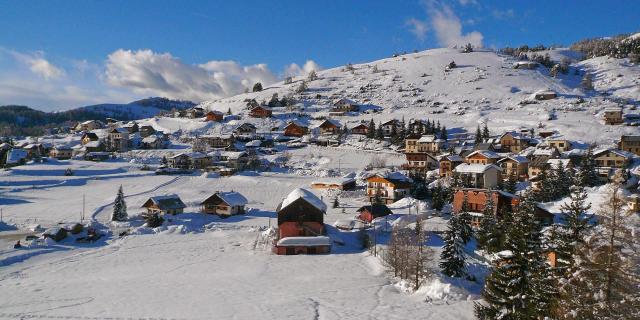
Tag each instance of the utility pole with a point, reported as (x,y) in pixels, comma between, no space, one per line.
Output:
(83,206)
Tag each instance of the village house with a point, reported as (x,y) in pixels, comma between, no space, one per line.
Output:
(195,112)
(545,95)
(613,115)
(301,227)
(561,144)
(608,161)
(89,125)
(630,144)
(344,105)
(448,163)
(334,184)
(429,144)
(411,143)
(482,157)
(222,141)
(513,142)
(479,175)
(170,204)
(132,127)
(61,152)
(146,130)
(391,125)
(536,165)
(361,129)
(513,165)
(260,112)
(118,139)
(245,129)
(329,127)
(237,160)
(88,137)
(216,116)
(34,150)
(420,162)
(369,213)
(295,129)
(189,160)
(389,187)
(155,141)
(502,202)
(224,204)
(16,157)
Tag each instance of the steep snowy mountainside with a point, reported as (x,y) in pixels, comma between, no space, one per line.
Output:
(483,87)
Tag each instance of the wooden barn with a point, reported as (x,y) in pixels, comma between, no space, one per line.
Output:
(370,212)
(224,204)
(260,112)
(171,204)
(301,224)
(295,129)
(216,116)
(361,129)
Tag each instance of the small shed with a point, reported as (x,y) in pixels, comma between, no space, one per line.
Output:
(169,204)
(224,204)
(370,212)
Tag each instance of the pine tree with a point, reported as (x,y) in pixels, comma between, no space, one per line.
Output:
(465,221)
(312,76)
(562,181)
(437,198)
(576,224)
(372,130)
(587,175)
(257,87)
(379,132)
(511,184)
(119,207)
(488,235)
(478,136)
(452,258)
(229,112)
(443,133)
(336,203)
(485,131)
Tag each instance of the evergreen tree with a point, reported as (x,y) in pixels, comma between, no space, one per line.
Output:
(488,235)
(576,224)
(437,198)
(511,184)
(119,207)
(443,133)
(312,76)
(164,161)
(562,181)
(257,87)
(336,203)
(452,258)
(485,131)
(546,189)
(229,112)
(372,130)
(465,221)
(379,132)
(587,175)
(478,136)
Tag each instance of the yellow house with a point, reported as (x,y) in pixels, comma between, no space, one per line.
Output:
(630,144)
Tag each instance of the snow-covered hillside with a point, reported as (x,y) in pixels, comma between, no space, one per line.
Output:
(140,109)
(483,87)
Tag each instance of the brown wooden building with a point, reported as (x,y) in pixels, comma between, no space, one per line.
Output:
(294,129)
(216,116)
(171,204)
(301,217)
(370,212)
(224,204)
(260,112)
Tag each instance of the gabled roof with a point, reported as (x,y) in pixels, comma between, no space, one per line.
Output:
(192,155)
(305,195)
(475,168)
(486,153)
(390,122)
(344,101)
(428,138)
(554,163)
(90,135)
(624,154)
(515,158)
(169,202)
(452,158)
(295,123)
(376,209)
(15,155)
(330,122)
(233,199)
(119,130)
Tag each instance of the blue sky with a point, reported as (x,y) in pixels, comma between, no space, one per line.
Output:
(61,54)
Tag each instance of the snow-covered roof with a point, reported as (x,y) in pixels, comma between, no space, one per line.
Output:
(93,144)
(233,199)
(253,144)
(554,163)
(428,138)
(475,168)
(15,155)
(306,195)
(619,152)
(344,101)
(516,158)
(487,153)
(612,109)
(192,155)
(233,155)
(304,241)
(337,181)
(167,202)
(150,139)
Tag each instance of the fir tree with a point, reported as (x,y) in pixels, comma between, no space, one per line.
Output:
(511,184)
(229,112)
(465,221)
(119,207)
(372,130)
(257,87)
(488,235)
(485,131)
(336,203)
(379,132)
(587,175)
(443,133)
(452,258)
(478,136)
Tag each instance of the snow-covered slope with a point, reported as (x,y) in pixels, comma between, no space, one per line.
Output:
(483,87)
(139,109)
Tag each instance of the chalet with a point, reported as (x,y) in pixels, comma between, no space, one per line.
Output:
(301,224)
(245,129)
(608,161)
(171,204)
(216,116)
(222,141)
(430,144)
(34,150)
(61,152)
(482,157)
(448,163)
(513,142)
(343,106)
(389,187)
(237,160)
(334,184)
(502,202)
(252,146)
(224,204)
(361,129)
(613,115)
(420,162)
(479,175)
(517,166)
(630,144)
(88,137)
(329,127)
(295,129)
(155,141)
(118,139)
(391,125)
(260,112)
(132,127)
(146,130)
(536,165)
(89,125)
(555,163)
(16,157)
(369,213)
(561,144)
(411,143)
(190,160)
(195,112)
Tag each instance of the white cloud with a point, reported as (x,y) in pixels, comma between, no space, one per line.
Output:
(466,2)
(294,70)
(149,73)
(38,65)
(419,28)
(448,28)
(503,14)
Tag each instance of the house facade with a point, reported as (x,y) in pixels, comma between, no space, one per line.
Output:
(475,175)
(294,129)
(301,227)
(260,112)
(630,144)
(389,188)
(171,204)
(224,204)
(448,163)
